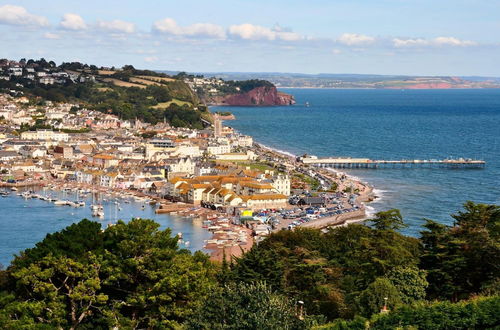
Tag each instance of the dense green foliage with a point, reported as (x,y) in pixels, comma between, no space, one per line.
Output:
(350,270)
(246,306)
(463,259)
(244,86)
(133,275)
(481,313)
(248,85)
(125,102)
(327,271)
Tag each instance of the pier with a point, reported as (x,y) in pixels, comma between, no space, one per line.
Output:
(403,163)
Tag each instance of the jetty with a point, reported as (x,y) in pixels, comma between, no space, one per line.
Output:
(403,163)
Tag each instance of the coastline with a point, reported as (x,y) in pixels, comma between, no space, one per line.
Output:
(366,194)
(231,240)
(227,238)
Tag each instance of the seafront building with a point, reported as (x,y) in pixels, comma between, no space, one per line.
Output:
(99,150)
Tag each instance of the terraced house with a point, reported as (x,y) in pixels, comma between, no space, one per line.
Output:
(255,191)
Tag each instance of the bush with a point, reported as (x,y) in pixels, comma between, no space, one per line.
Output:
(481,313)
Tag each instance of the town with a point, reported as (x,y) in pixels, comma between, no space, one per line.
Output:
(236,185)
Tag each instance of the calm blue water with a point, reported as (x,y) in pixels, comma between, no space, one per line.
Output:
(394,124)
(23,223)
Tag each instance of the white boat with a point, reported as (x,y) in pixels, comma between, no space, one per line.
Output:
(60,202)
(13,189)
(97,211)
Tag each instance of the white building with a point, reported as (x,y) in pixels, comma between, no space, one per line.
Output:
(218,149)
(46,135)
(6,114)
(47,80)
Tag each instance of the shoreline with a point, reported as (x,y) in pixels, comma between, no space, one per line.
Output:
(365,196)
(231,240)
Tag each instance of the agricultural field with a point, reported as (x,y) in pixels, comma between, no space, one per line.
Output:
(164,105)
(157,79)
(144,81)
(122,83)
(106,72)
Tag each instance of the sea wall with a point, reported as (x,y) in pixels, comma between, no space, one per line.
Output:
(335,220)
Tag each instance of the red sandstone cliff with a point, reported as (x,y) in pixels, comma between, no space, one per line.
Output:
(259,96)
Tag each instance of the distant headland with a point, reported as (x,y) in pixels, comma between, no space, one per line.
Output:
(362,81)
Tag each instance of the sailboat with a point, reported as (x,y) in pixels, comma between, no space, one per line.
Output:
(100,212)
(97,209)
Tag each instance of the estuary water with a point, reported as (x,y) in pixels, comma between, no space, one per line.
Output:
(24,222)
(393,125)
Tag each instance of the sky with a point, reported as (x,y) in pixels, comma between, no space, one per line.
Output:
(408,37)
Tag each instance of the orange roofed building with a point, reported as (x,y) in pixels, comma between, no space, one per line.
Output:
(226,190)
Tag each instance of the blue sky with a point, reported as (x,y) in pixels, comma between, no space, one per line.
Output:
(417,37)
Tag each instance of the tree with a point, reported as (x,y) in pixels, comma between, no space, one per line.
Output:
(131,275)
(372,299)
(410,282)
(388,220)
(149,281)
(72,242)
(56,291)
(463,260)
(479,313)
(326,271)
(246,306)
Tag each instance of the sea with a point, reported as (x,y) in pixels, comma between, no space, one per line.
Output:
(24,222)
(393,125)
(377,124)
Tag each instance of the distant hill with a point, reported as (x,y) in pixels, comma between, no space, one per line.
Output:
(328,80)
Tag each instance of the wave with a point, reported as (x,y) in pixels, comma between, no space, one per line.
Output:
(369,211)
(283,152)
(379,193)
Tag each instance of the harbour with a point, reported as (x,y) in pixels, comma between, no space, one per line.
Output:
(26,221)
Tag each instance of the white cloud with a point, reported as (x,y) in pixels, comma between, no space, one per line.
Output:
(116,26)
(49,35)
(169,26)
(16,15)
(151,59)
(353,39)
(409,42)
(73,22)
(451,41)
(255,32)
(439,41)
